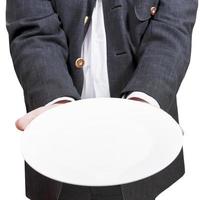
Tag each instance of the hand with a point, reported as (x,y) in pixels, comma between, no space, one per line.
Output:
(137,99)
(22,122)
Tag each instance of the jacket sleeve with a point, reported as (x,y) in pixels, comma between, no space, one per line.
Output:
(39,50)
(163,54)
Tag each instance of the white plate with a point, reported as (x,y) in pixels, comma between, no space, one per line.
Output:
(101,141)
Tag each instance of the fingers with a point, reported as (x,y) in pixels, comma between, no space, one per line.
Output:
(23,122)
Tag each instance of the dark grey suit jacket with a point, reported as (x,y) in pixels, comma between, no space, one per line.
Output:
(144,53)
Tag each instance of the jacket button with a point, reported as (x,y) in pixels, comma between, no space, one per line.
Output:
(153,10)
(79,63)
(86,19)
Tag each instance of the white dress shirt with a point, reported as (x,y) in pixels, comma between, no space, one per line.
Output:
(94,52)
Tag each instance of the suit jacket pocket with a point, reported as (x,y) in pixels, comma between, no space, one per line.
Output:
(144,9)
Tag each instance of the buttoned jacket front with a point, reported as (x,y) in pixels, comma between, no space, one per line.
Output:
(148,50)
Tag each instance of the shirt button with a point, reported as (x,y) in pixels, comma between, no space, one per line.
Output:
(86,19)
(79,63)
(153,10)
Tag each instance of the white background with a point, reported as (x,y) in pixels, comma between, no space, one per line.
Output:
(12,185)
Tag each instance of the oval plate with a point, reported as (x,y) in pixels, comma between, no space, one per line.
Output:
(101,141)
